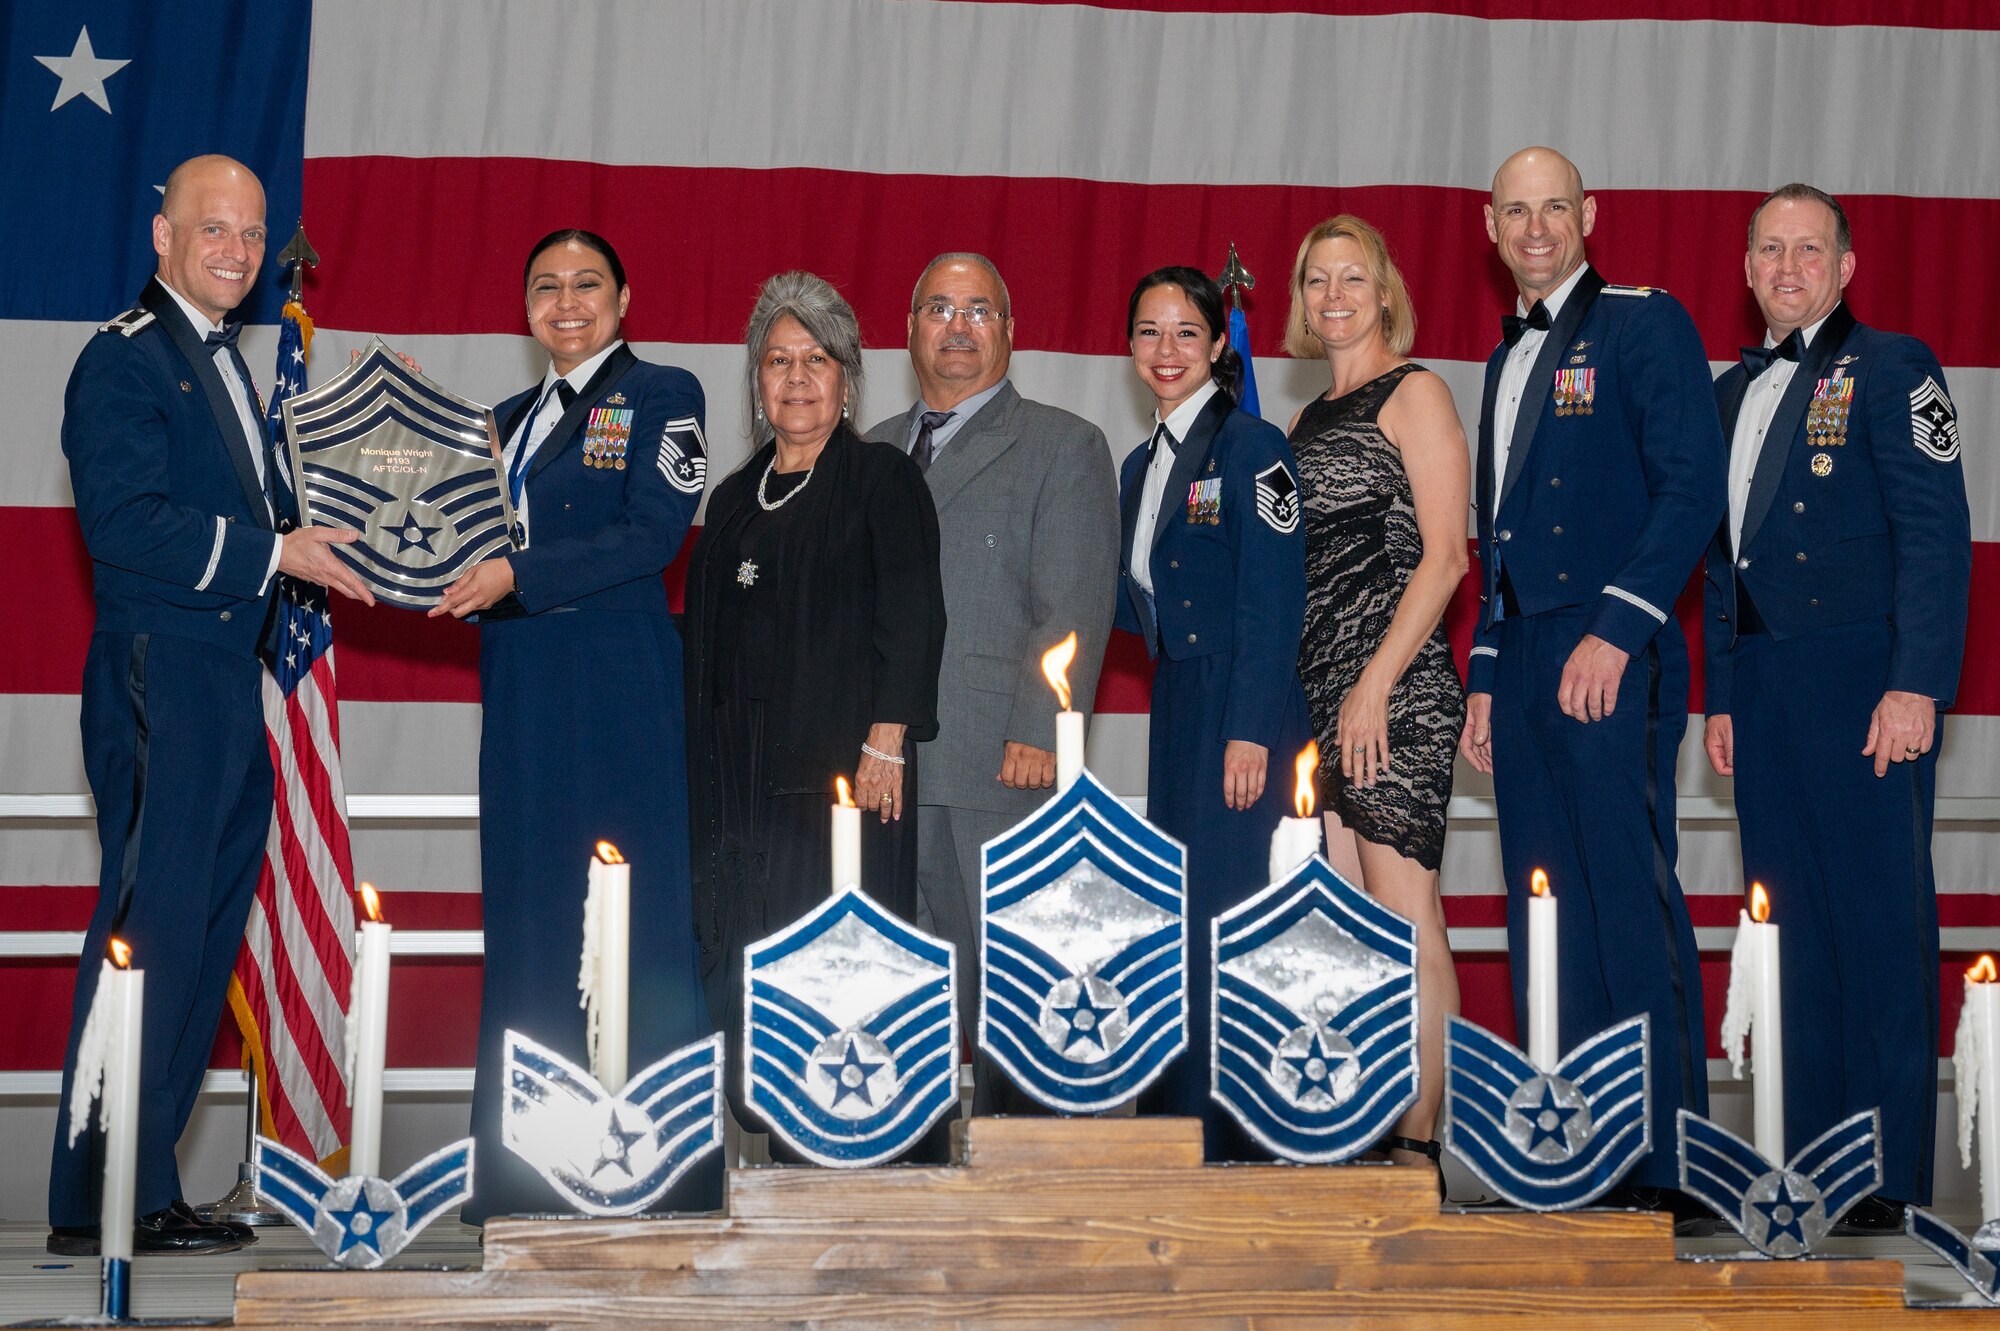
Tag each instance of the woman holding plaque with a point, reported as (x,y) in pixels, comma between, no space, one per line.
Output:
(1213,578)
(815,618)
(580,672)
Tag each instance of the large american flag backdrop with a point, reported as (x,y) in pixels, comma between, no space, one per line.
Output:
(428,142)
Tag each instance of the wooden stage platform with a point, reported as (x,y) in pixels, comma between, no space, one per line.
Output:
(1100,1223)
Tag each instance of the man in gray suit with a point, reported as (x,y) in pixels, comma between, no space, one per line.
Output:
(1027,505)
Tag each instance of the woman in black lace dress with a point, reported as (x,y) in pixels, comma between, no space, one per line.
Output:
(1384,474)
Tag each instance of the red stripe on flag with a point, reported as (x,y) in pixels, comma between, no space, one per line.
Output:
(1070,248)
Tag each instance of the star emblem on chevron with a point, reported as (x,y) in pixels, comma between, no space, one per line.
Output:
(412,534)
(1083,991)
(615,1151)
(1314,1044)
(361,1224)
(850,1032)
(1546,1119)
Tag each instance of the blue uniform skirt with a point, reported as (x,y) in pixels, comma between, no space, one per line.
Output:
(1228,855)
(583,740)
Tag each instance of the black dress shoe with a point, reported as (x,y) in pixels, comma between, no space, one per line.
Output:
(164,1230)
(1872,1217)
(245,1235)
(1692,1219)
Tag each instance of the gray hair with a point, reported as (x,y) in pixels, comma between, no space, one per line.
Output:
(825,315)
(963,256)
(1843,238)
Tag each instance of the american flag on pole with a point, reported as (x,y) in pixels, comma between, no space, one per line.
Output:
(294,970)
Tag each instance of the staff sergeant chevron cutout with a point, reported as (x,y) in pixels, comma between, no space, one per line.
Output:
(361,1221)
(1554,1141)
(1083,951)
(1782,1209)
(1313,1016)
(612,1154)
(850,1032)
(415,469)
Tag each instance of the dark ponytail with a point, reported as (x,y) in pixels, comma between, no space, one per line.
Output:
(1206,297)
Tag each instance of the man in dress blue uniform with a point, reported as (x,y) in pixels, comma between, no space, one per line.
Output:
(182,501)
(1836,601)
(1027,504)
(1600,477)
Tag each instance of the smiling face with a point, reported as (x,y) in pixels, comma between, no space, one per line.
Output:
(958,359)
(799,385)
(1539,217)
(1173,347)
(574,311)
(1343,301)
(1794,266)
(210,234)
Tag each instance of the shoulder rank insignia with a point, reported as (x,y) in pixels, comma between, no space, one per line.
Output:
(1278,499)
(128,323)
(1628,291)
(683,458)
(1933,422)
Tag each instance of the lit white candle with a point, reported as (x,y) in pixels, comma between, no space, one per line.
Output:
(1544,1005)
(368,1037)
(846,837)
(605,976)
(1978,1079)
(1754,1011)
(1296,840)
(1069,724)
(127,999)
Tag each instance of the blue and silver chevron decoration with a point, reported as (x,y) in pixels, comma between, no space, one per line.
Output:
(1784,1210)
(1976,1258)
(612,1154)
(850,1032)
(1083,951)
(361,1221)
(1548,1141)
(1314,1020)
(415,469)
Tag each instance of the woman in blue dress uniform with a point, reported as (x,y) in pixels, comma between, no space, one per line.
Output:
(580,673)
(1213,578)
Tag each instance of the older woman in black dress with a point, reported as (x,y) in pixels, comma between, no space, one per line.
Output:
(815,622)
(1384,474)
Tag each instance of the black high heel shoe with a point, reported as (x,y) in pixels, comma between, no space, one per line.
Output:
(1430,1149)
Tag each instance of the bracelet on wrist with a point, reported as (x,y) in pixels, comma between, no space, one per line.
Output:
(874,752)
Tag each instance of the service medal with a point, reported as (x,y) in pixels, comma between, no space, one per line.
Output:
(1822,464)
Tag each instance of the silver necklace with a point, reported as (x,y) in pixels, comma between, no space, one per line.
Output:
(765,480)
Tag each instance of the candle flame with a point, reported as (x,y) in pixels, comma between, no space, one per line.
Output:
(845,791)
(121,954)
(1055,668)
(608,853)
(1303,768)
(1538,883)
(371,901)
(1984,971)
(1760,903)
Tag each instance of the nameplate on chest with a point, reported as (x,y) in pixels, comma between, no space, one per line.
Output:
(606,436)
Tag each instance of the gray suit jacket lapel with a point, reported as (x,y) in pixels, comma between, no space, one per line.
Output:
(977,444)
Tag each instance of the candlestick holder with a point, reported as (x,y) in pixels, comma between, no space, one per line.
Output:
(1784,1210)
(1313,1016)
(1975,1257)
(612,1153)
(850,1032)
(1548,1141)
(1083,951)
(361,1221)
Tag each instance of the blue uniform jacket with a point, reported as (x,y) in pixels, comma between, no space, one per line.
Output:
(1614,483)
(1864,521)
(599,533)
(1228,564)
(166,489)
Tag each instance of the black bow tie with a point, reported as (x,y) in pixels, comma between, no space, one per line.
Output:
(1513,325)
(225,338)
(1756,360)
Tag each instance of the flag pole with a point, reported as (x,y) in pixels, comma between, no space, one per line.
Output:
(241,1205)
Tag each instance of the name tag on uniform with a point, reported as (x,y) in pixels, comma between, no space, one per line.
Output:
(1205,502)
(606,435)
